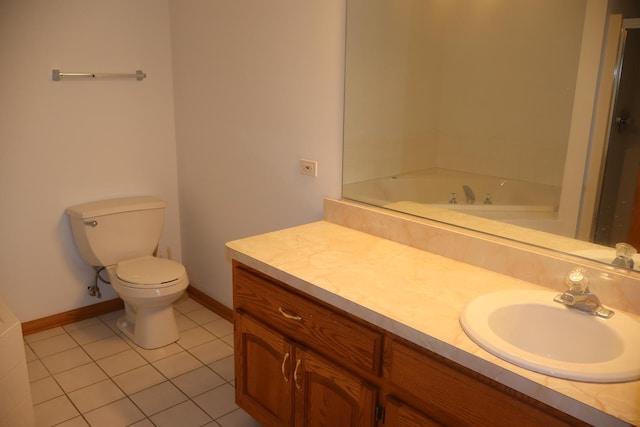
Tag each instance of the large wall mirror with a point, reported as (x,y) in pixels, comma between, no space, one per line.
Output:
(510,117)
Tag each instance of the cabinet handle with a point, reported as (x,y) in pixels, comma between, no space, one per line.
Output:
(289,316)
(284,364)
(295,373)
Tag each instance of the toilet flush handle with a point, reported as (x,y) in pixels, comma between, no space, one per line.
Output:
(91,223)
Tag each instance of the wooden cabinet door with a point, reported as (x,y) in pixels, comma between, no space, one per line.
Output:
(263,372)
(327,395)
(399,414)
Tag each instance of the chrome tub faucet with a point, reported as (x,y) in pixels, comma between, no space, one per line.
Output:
(579,297)
(468,193)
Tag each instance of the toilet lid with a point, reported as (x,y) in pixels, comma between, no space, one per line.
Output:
(149,270)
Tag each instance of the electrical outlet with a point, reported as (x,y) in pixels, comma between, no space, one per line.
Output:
(309,167)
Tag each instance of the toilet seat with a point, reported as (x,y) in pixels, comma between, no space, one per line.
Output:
(149,272)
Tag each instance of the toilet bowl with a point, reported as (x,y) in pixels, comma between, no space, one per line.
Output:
(121,235)
(149,286)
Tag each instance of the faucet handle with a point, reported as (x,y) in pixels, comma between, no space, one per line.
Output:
(577,280)
(624,255)
(625,249)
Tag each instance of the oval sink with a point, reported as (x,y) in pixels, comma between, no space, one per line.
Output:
(529,329)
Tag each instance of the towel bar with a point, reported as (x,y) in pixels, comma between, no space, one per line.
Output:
(58,75)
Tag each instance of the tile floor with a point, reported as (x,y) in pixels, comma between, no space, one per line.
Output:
(88,374)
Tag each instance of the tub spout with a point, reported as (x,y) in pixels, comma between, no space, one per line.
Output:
(468,193)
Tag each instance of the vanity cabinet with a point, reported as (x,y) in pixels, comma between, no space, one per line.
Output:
(455,395)
(302,362)
(296,362)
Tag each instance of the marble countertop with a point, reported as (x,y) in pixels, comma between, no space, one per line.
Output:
(419,296)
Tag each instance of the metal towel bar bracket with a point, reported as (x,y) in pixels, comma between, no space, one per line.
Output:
(58,75)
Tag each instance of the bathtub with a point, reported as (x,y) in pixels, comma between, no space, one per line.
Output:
(510,199)
(16,408)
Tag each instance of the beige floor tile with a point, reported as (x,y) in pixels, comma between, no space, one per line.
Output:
(54,411)
(74,422)
(143,423)
(106,347)
(224,368)
(220,328)
(92,333)
(96,395)
(117,414)
(228,339)
(112,316)
(186,305)
(202,316)
(37,370)
(184,323)
(217,402)
(52,345)
(186,414)
(79,377)
(157,398)
(111,320)
(67,359)
(45,389)
(197,391)
(211,351)
(194,337)
(237,418)
(121,362)
(81,324)
(39,336)
(139,379)
(159,353)
(198,381)
(177,364)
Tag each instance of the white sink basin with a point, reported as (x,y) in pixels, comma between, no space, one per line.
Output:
(529,329)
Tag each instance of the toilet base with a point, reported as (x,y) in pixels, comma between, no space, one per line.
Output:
(149,327)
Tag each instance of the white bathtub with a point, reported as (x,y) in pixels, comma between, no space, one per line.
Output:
(434,187)
(16,408)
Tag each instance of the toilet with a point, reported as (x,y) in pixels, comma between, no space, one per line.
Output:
(121,235)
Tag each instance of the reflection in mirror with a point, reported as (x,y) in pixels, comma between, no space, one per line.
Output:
(618,215)
(479,114)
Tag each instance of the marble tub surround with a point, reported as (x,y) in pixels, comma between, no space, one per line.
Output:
(614,286)
(419,296)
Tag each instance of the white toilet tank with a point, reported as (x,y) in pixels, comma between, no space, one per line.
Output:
(109,231)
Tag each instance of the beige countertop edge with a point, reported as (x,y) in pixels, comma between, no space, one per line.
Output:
(596,404)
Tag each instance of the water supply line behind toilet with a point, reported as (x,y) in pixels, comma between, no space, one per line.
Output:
(94,290)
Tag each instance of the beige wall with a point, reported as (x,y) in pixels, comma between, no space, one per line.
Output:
(68,142)
(258,85)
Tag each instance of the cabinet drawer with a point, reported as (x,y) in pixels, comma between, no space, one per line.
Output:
(453,394)
(325,331)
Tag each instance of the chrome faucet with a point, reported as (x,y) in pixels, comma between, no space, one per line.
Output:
(579,297)
(468,193)
(624,255)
